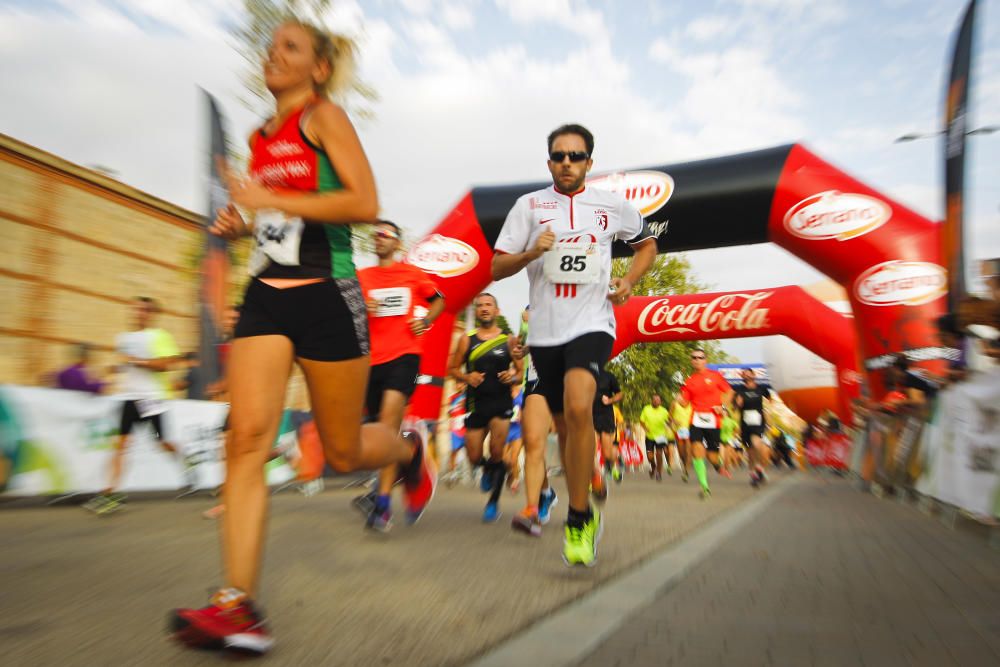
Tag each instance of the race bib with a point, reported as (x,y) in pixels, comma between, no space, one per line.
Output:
(704,420)
(392,301)
(278,239)
(576,263)
(752,417)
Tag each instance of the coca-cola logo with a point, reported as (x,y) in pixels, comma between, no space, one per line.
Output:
(836,215)
(901,283)
(443,256)
(727,312)
(648,191)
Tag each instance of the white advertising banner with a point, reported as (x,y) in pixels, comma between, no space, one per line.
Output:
(961,446)
(54,441)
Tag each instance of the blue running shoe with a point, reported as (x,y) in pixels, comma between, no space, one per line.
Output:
(547,501)
(486,480)
(491,514)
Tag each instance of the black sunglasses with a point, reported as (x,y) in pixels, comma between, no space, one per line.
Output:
(574,156)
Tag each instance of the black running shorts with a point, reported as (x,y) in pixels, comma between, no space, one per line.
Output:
(130,417)
(589,352)
(749,431)
(326,321)
(531,387)
(711,437)
(605,423)
(400,375)
(653,444)
(485,409)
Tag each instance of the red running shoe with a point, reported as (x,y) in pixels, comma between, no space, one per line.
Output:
(230,623)
(419,478)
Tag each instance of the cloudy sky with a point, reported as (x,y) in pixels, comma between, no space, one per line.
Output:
(469,89)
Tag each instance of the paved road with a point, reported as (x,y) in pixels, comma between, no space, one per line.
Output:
(828,576)
(78,590)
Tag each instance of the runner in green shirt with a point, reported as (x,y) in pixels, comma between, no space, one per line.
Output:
(654,419)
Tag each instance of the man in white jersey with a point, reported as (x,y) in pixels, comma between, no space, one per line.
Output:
(563,235)
(148,353)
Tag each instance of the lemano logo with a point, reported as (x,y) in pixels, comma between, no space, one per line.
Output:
(648,191)
(901,283)
(836,215)
(443,256)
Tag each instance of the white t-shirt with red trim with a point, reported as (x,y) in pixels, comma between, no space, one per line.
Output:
(563,311)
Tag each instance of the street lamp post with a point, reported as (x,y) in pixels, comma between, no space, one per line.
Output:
(914,136)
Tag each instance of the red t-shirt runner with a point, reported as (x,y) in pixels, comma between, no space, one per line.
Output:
(398,289)
(705,391)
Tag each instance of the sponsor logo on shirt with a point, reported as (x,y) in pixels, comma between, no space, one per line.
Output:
(281,172)
(284,149)
(443,256)
(648,191)
(901,283)
(533,203)
(836,215)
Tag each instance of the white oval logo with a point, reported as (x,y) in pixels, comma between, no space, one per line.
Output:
(443,256)
(836,215)
(901,283)
(648,191)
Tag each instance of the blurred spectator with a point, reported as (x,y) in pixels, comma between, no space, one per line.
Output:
(76,376)
(915,387)
(951,337)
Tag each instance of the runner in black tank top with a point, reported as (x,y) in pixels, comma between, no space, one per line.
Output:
(750,400)
(483,361)
(490,357)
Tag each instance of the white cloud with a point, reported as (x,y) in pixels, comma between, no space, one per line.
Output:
(706,28)
(574,16)
(922,198)
(457,17)
(418,7)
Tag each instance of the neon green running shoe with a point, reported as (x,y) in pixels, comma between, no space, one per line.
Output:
(580,544)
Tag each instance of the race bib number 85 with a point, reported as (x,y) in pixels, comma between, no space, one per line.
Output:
(573,263)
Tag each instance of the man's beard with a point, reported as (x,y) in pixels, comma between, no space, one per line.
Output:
(485,324)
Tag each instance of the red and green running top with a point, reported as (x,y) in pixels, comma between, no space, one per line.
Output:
(290,247)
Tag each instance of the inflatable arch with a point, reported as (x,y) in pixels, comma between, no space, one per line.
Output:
(885,255)
(788,311)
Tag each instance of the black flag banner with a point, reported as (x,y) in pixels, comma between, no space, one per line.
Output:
(955,129)
(214,266)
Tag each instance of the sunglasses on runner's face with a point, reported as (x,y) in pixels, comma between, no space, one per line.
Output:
(385,234)
(574,156)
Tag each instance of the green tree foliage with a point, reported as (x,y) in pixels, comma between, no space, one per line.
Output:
(645,369)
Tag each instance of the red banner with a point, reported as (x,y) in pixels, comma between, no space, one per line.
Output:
(788,311)
(457,257)
(885,255)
